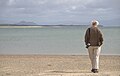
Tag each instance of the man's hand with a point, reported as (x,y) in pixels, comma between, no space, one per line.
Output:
(87,45)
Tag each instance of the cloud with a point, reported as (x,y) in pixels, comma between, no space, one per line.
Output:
(59,11)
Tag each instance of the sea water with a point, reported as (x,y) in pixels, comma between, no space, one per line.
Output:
(55,41)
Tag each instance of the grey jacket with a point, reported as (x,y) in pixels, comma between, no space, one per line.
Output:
(93,36)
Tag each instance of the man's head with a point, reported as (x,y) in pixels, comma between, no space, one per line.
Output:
(95,23)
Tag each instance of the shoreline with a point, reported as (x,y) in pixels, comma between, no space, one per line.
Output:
(55,55)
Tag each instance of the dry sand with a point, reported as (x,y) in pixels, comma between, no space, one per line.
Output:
(53,65)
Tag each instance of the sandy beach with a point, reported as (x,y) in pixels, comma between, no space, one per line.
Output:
(57,65)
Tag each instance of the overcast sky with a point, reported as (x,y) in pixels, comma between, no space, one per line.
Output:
(107,12)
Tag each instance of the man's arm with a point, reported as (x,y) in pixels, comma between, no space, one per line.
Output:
(101,38)
(87,36)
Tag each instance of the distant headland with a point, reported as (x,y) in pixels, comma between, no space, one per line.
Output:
(25,23)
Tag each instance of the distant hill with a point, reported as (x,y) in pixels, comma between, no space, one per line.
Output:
(25,23)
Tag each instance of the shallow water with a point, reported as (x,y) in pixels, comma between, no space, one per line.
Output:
(67,41)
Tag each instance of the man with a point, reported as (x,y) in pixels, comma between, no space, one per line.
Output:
(93,41)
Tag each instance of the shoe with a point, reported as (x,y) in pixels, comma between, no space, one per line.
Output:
(94,70)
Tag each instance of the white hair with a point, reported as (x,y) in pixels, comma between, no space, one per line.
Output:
(94,22)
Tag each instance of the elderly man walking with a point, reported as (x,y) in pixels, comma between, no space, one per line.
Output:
(93,41)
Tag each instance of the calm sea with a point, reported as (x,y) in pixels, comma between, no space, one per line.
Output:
(55,40)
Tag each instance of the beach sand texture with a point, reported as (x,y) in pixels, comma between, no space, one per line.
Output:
(57,65)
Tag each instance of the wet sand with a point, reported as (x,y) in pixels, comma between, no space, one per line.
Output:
(57,65)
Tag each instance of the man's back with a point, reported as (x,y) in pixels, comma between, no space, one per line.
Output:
(93,36)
